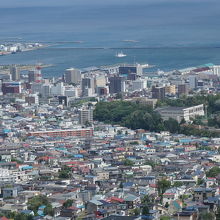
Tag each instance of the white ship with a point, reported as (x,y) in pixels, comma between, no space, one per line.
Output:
(121,54)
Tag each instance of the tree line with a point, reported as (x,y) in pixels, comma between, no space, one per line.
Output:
(135,115)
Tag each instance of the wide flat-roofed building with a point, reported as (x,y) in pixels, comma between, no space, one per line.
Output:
(84,132)
(180,113)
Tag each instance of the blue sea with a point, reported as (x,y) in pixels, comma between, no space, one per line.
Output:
(170,34)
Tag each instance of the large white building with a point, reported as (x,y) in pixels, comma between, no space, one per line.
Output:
(192,81)
(139,84)
(72,75)
(216,70)
(6,176)
(180,113)
(58,89)
(85,115)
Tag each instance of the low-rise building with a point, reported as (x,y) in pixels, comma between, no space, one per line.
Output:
(180,113)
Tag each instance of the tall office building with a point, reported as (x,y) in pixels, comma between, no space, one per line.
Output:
(88,86)
(171,89)
(85,116)
(193,81)
(116,84)
(58,89)
(72,75)
(182,89)
(129,69)
(100,81)
(139,85)
(15,73)
(158,92)
(46,90)
(216,70)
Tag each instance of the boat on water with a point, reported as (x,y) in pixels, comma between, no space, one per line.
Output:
(120,54)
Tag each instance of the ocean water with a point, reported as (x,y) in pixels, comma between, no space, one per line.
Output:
(170,34)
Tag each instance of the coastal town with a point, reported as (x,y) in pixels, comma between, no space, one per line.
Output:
(110,142)
(12,47)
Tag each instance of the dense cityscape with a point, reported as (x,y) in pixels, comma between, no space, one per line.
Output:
(109,110)
(110,142)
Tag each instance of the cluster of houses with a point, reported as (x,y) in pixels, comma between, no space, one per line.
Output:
(102,171)
(51,148)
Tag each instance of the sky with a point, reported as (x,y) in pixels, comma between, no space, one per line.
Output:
(30,3)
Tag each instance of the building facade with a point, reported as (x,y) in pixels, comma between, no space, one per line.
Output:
(72,75)
(158,92)
(179,113)
(87,132)
(85,116)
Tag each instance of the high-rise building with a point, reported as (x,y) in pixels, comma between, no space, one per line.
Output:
(71,91)
(100,81)
(36,87)
(63,100)
(193,81)
(15,73)
(102,91)
(88,86)
(116,84)
(139,84)
(129,69)
(85,116)
(216,70)
(72,75)
(46,90)
(171,89)
(35,75)
(182,89)
(32,99)
(158,92)
(58,89)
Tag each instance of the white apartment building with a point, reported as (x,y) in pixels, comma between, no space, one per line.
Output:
(180,113)
(139,84)
(216,70)
(85,115)
(6,176)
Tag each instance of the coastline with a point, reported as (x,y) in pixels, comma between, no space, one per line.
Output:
(5,53)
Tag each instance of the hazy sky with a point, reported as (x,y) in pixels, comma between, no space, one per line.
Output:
(21,3)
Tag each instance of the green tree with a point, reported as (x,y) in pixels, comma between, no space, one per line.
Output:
(165,218)
(207,216)
(213,172)
(171,125)
(178,184)
(145,210)
(200,181)
(134,143)
(145,200)
(65,172)
(119,96)
(16,160)
(68,203)
(37,201)
(136,212)
(48,210)
(22,216)
(163,185)
(150,162)
(128,162)
(88,124)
